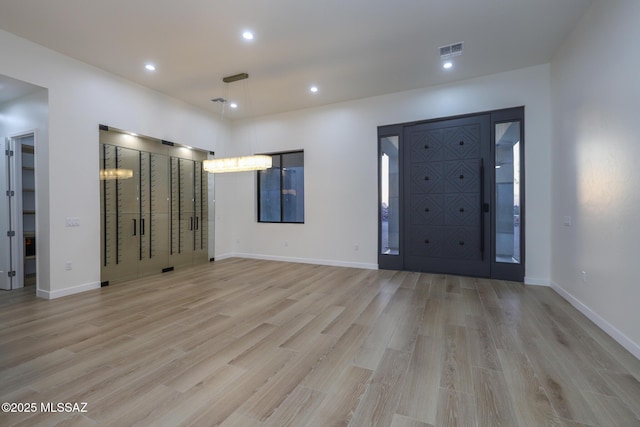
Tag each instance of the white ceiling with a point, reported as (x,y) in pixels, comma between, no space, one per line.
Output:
(351,49)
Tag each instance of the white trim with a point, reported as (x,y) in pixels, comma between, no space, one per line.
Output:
(67,291)
(333,263)
(614,333)
(533,281)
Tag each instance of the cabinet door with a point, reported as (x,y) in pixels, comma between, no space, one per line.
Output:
(201,249)
(182,212)
(120,215)
(154,213)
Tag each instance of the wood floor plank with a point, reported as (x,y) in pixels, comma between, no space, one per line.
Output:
(402,421)
(240,420)
(422,381)
(23,394)
(483,352)
(304,337)
(627,388)
(340,403)
(269,397)
(611,411)
(296,409)
(494,406)
(455,371)
(380,401)
(189,375)
(280,334)
(326,373)
(565,397)
(198,398)
(356,304)
(243,342)
(472,302)
(433,318)
(455,409)
(138,409)
(376,343)
(237,394)
(530,402)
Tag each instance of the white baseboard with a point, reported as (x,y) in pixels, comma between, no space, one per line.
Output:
(533,281)
(333,263)
(614,333)
(67,291)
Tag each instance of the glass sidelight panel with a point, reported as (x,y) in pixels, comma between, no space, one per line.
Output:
(389,196)
(507,192)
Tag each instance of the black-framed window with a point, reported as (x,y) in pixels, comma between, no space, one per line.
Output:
(281,189)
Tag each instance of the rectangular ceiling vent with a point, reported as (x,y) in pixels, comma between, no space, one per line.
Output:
(451,50)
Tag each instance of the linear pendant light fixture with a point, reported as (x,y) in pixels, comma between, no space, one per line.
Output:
(236,164)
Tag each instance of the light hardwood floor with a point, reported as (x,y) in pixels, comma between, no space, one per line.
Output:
(257,343)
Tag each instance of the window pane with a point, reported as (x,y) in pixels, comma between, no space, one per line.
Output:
(270,192)
(390,196)
(281,189)
(508,192)
(293,187)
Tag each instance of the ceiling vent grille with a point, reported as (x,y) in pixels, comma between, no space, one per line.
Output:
(451,50)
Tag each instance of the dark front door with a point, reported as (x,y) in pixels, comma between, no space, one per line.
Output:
(446,196)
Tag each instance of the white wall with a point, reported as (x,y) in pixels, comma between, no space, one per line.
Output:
(80,98)
(596,179)
(340,143)
(31,114)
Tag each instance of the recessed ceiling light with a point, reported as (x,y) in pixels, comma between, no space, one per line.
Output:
(233,105)
(313,89)
(447,65)
(133,134)
(150,67)
(247,35)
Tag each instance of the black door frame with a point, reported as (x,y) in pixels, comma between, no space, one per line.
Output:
(498,270)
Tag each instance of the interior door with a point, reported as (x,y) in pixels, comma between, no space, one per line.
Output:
(120,216)
(446,196)
(6,241)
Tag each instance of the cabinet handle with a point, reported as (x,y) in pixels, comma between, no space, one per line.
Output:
(135,228)
(191,223)
(197,223)
(482,207)
(142,227)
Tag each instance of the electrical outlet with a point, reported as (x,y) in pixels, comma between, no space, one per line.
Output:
(68,266)
(584,277)
(72,221)
(567,221)
(356,247)
(286,243)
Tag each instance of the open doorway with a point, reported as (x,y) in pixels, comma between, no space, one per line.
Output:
(18,266)
(23,133)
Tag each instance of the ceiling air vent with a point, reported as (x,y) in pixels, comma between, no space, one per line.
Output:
(456,49)
(451,50)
